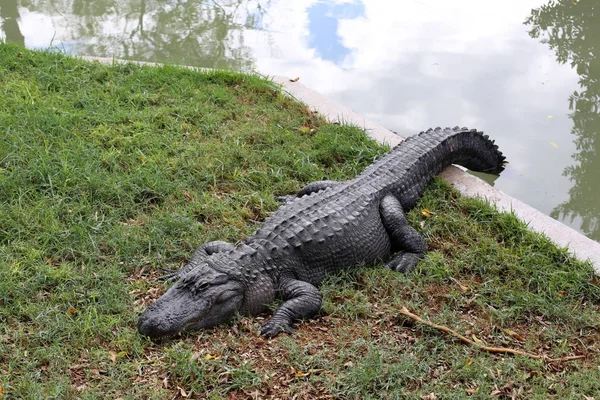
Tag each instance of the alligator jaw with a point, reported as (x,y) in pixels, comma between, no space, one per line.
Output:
(182,309)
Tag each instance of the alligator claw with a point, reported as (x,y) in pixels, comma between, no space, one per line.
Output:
(404,262)
(271,329)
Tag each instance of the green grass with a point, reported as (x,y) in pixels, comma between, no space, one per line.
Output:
(108,173)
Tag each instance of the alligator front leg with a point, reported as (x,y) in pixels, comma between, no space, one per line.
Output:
(404,237)
(197,258)
(301,301)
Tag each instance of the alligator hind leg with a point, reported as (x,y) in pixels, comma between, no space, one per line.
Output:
(197,258)
(404,237)
(301,300)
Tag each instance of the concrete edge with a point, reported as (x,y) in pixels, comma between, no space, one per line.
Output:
(579,245)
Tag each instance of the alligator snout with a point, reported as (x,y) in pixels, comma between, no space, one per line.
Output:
(152,327)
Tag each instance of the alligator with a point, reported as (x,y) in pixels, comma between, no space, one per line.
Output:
(328,227)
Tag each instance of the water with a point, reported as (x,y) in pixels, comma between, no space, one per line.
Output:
(408,64)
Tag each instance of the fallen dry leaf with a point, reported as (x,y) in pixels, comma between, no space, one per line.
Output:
(426,212)
(187,195)
(97,373)
(460,285)
(300,374)
(182,391)
(476,339)
(530,375)
(514,335)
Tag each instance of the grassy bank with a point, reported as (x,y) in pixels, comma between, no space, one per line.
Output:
(108,173)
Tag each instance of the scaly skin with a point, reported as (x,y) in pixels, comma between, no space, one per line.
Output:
(331,226)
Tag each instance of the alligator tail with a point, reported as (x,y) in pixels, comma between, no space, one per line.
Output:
(407,169)
(467,147)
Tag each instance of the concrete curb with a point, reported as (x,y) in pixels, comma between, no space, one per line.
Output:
(469,185)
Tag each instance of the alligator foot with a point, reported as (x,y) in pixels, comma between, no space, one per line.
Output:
(273,328)
(404,262)
(402,235)
(301,301)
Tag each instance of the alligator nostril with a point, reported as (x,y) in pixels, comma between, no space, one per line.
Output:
(143,326)
(146,326)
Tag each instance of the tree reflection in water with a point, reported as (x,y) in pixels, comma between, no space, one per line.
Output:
(572,29)
(9,17)
(196,32)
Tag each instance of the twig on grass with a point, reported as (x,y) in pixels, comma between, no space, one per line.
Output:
(404,311)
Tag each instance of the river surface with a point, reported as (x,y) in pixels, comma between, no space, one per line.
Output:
(524,71)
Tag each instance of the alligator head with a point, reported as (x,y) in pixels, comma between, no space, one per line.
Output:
(202,298)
